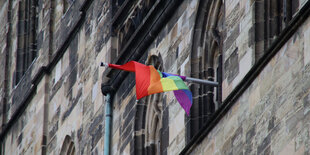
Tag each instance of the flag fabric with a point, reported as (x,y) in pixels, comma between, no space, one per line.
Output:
(151,81)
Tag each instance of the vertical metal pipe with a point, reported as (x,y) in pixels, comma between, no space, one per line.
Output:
(108,120)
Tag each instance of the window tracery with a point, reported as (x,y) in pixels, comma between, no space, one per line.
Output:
(206,64)
(151,129)
(128,18)
(153,119)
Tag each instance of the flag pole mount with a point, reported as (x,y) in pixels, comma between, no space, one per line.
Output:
(103,64)
(187,79)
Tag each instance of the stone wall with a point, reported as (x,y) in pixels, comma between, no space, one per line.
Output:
(60,95)
(272,115)
(66,99)
(172,45)
(26,135)
(75,102)
(238,47)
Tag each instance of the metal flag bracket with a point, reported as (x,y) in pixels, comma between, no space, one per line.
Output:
(201,81)
(187,79)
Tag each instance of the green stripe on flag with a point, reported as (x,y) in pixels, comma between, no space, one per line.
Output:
(178,82)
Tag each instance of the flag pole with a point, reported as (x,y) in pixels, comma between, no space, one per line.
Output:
(187,79)
(200,81)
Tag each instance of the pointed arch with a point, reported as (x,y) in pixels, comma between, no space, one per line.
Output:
(68,147)
(149,119)
(212,64)
(154,114)
(206,63)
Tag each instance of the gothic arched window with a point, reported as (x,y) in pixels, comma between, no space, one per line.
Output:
(26,37)
(130,19)
(153,121)
(151,129)
(206,64)
(68,147)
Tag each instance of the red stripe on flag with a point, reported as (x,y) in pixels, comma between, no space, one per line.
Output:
(143,76)
(129,66)
(142,73)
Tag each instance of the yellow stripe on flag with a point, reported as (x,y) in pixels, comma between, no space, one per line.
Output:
(168,84)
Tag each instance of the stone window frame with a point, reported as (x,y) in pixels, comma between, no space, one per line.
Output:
(151,125)
(212,63)
(26,53)
(68,147)
(153,120)
(128,20)
(206,63)
(271,18)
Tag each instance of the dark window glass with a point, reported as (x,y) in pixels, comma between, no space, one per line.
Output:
(26,37)
(271,17)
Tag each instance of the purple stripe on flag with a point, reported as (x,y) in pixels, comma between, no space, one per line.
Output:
(182,77)
(184,97)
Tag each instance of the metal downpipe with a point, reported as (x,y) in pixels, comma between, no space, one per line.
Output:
(108,124)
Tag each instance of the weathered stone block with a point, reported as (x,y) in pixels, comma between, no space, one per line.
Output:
(231,66)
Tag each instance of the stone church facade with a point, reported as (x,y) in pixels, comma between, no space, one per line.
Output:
(57,99)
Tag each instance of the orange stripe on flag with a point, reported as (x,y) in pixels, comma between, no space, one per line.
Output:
(155,84)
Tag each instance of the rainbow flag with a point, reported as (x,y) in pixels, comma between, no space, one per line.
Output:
(151,81)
